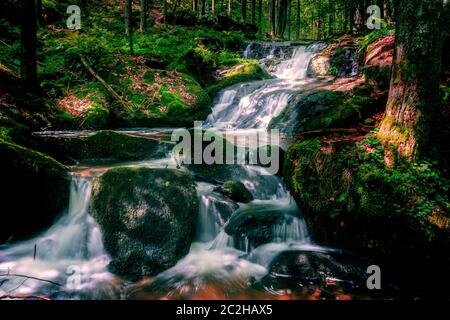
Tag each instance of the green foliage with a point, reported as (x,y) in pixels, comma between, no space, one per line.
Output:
(96,117)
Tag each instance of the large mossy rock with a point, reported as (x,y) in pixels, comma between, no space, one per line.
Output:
(105,145)
(245,72)
(315,110)
(147,216)
(236,191)
(35,190)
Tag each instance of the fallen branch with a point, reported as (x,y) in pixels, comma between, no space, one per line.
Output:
(25,297)
(29,277)
(114,94)
(327,131)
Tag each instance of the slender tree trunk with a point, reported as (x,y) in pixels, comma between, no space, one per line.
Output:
(272,17)
(414,92)
(229,8)
(129,23)
(165,12)
(289,13)
(195,5)
(28,40)
(143,22)
(253,9)
(203,7)
(244,10)
(260,12)
(213,5)
(40,18)
(297,35)
(128,8)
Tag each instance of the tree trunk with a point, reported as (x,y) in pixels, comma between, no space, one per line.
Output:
(143,23)
(414,92)
(229,8)
(165,12)
(129,23)
(253,9)
(260,12)
(297,35)
(203,7)
(213,5)
(28,40)
(272,17)
(244,10)
(195,5)
(40,18)
(128,17)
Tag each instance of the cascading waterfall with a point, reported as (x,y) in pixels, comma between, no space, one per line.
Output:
(74,244)
(253,105)
(70,253)
(244,106)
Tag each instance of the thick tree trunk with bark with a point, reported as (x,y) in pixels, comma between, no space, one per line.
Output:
(28,36)
(414,91)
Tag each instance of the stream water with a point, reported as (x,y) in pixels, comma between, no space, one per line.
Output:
(70,254)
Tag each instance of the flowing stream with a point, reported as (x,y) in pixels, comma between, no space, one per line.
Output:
(71,253)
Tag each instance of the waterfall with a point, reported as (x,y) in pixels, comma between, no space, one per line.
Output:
(254,105)
(72,246)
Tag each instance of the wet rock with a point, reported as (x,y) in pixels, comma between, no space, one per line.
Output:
(36,190)
(236,191)
(303,268)
(147,217)
(105,145)
(254,225)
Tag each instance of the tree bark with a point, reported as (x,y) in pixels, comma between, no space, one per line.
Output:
(244,10)
(129,23)
(297,36)
(414,91)
(127,11)
(28,41)
(272,17)
(143,22)
(260,12)
(253,13)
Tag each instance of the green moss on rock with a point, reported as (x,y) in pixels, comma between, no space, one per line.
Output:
(147,217)
(351,199)
(237,191)
(36,190)
(106,145)
(246,72)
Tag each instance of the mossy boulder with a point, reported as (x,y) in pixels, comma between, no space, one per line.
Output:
(36,190)
(314,110)
(245,72)
(348,198)
(236,191)
(104,145)
(147,217)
